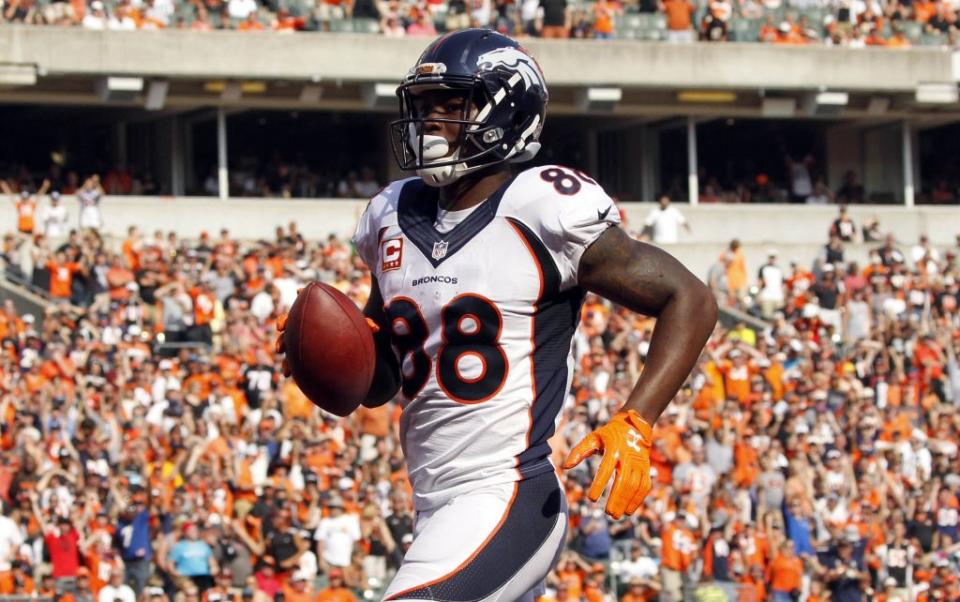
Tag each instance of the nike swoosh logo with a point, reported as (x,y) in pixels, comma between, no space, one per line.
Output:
(601,215)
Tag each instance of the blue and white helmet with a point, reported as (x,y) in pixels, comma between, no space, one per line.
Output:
(501,122)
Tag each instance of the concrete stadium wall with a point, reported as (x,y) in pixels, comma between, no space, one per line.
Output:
(779,224)
(246,218)
(575,63)
(797,232)
(251,218)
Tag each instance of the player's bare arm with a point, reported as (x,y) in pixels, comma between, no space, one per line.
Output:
(386,375)
(648,280)
(645,279)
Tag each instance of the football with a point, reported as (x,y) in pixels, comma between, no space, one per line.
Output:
(329,348)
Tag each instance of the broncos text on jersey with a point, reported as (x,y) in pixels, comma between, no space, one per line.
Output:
(482,305)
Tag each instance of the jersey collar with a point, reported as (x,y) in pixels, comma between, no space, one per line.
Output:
(417,210)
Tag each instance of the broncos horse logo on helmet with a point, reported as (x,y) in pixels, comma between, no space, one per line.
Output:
(501,122)
(516,60)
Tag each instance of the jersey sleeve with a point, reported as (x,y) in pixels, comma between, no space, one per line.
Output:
(566,210)
(572,221)
(380,213)
(365,236)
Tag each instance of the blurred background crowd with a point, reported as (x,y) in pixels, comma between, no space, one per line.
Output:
(150,449)
(800,181)
(894,23)
(250,177)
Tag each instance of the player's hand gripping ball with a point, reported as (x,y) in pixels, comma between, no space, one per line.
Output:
(625,443)
(329,348)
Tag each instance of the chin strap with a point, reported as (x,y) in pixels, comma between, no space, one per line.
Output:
(438,177)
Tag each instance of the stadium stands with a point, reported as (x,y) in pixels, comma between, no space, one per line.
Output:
(895,24)
(797,230)
(149,439)
(150,448)
(164,105)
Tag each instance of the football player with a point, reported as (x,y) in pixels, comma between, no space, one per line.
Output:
(480,269)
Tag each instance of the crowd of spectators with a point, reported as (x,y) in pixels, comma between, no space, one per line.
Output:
(253,178)
(249,177)
(802,22)
(803,181)
(16,178)
(856,24)
(797,179)
(150,449)
(797,182)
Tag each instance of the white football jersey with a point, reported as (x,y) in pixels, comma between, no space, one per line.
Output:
(482,305)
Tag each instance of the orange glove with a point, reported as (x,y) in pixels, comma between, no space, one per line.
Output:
(625,443)
(280,345)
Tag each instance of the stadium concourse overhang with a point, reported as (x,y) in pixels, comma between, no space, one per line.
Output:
(621,95)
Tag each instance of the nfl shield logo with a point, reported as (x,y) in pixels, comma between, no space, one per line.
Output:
(439,249)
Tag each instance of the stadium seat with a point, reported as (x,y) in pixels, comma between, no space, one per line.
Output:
(912,30)
(340,25)
(366,26)
(641,26)
(738,28)
(296,8)
(185,14)
(186,17)
(744,30)
(440,18)
(932,39)
(815,16)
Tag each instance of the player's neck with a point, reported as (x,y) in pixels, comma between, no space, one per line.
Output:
(471,190)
